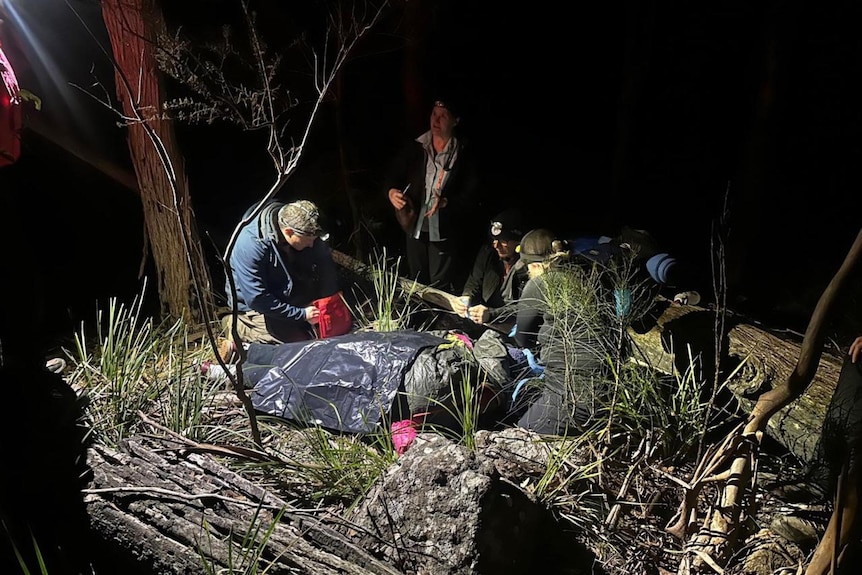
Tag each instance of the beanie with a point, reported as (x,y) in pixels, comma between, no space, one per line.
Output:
(660,267)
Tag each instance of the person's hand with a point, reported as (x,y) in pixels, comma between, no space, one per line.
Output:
(856,349)
(312,315)
(459,307)
(438,203)
(480,314)
(396,198)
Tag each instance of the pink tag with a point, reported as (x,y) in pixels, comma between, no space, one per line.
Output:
(403,434)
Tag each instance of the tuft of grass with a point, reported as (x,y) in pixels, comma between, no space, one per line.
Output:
(22,563)
(672,410)
(578,300)
(389,309)
(561,472)
(628,400)
(318,465)
(344,467)
(121,374)
(321,466)
(246,553)
(189,398)
(135,366)
(459,410)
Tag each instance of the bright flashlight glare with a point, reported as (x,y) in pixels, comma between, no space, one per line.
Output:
(16,20)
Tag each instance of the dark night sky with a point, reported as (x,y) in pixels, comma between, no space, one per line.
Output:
(585,116)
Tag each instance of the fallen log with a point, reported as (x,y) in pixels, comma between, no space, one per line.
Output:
(753,361)
(167,512)
(157,507)
(356,270)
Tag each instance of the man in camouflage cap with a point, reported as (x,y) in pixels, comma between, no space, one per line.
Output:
(280,265)
(301,218)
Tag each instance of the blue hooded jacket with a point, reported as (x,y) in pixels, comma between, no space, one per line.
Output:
(274,279)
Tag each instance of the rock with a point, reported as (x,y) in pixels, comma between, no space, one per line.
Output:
(445,509)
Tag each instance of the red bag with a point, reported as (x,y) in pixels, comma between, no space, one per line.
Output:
(335,318)
(10,114)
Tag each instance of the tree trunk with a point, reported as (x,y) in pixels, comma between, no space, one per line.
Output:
(132,26)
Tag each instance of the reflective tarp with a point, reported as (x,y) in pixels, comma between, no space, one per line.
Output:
(345,383)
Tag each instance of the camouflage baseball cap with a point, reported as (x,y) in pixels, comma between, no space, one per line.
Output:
(303,217)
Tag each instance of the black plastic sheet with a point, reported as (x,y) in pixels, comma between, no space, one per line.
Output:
(344,383)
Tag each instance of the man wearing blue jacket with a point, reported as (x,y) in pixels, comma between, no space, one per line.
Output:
(280,265)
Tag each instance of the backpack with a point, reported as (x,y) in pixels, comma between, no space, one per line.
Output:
(599,249)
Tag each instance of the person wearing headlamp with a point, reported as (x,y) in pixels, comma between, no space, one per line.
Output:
(495,282)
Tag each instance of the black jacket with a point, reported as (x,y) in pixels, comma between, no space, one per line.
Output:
(486,286)
(460,189)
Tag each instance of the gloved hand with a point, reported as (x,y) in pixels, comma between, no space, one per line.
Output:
(535,366)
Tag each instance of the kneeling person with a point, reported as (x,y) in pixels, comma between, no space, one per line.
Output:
(280,265)
(498,274)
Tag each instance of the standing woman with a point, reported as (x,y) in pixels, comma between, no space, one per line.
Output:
(432,185)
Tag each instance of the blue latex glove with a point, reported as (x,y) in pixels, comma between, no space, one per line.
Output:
(535,366)
(520,386)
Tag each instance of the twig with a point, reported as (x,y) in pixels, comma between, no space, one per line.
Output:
(176,495)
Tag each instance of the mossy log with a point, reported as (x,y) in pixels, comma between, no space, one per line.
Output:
(752,361)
